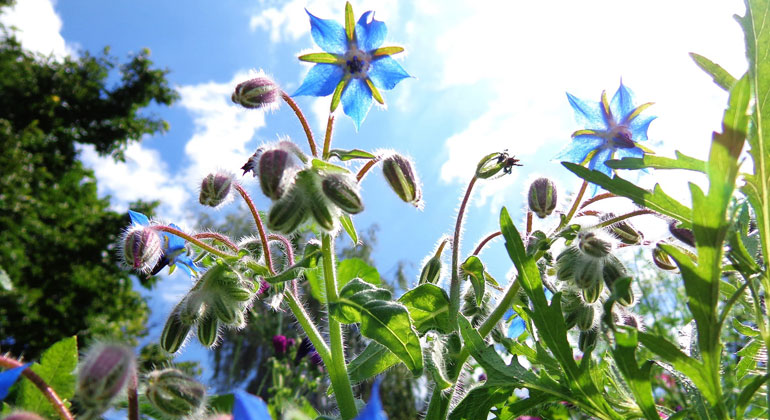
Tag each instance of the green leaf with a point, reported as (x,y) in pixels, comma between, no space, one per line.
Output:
(57,366)
(347,223)
(5,281)
(748,360)
(309,260)
(473,268)
(374,360)
(683,363)
(384,321)
(520,407)
(721,77)
(745,396)
(428,305)
(655,200)
(744,329)
(351,154)
(323,166)
(477,403)
(355,267)
(682,161)
(222,403)
(637,378)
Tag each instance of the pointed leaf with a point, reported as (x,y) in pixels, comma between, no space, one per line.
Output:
(351,154)
(57,366)
(347,223)
(745,396)
(352,268)
(473,269)
(721,77)
(374,360)
(637,378)
(428,306)
(682,161)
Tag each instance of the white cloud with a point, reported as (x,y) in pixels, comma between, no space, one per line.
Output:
(38,27)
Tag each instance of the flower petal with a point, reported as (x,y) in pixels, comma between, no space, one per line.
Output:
(328,34)
(373,409)
(138,218)
(249,407)
(639,127)
(385,72)
(622,103)
(370,33)
(173,242)
(598,159)
(588,114)
(356,101)
(320,80)
(632,152)
(579,148)
(8,378)
(516,328)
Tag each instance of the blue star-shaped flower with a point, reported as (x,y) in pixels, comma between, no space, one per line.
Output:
(174,248)
(611,131)
(354,65)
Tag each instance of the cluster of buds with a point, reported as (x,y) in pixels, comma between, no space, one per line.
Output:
(175,394)
(219,298)
(103,373)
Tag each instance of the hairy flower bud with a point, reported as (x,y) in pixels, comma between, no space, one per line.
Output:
(591,245)
(491,165)
(102,374)
(287,213)
(623,230)
(402,178)
(343,191)
(587,340)
(542,197)
(431,272)
(662,260)
(256,93)
(142,248)
(215,188)
(175,331)
(174,393)
(566,262)
(592,292)
(208,329)
(272,167)
(585,318)
(588,273)
(684,235)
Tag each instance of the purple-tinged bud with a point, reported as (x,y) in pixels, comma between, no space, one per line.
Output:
(272,168)
(542,197)
(684,235)
(482,377)
(491,165)
(174,393)
(402,179)
(23,415)
(591,245)
(280,344)
(343,191)
(587,340)
(263,287)
(142,248)
(256,93)
(623,230)
(633,320)
(103,373)
(662,260)
(215,188)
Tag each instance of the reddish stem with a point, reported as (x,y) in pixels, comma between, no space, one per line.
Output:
(217,236)
(486,240)
(289,255)
(529,222)
(133,398)
(328,137)
(260,226)
(597,198)
(364,169)
(46,389)
(302,121)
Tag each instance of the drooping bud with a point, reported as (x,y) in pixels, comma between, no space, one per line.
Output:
(402,178)
(662,260)
(174,393)
(613,271)
(142,248)
(431,272)
(272,167)
(587,340)
(566,262)
(191,307)
(343,191)
(215,188)
(226,311)
(287,213)
(542,197)
(585,318)
(23,415)
(623,230)
(102,374)
(208,329)
(588,273)
(591,245)
(491,165)
(592,292)
(175,331)
(683,234)
(571,304)
(256,93)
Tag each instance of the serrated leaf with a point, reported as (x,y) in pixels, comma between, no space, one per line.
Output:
(57,366)
(428,306)
(748,360)
(637,378)
(473,269)
(682,161)
(5,280)
(345,155)
(744,329)
(374,360)
(347,223)
(477,403)
(745,396)
(382,320)
(656,199)
(721,77)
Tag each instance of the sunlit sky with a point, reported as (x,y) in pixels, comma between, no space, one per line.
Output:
(488,76)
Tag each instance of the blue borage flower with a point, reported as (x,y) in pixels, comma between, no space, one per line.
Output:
(8,378)
(174,248)
(354,65)
(611,131)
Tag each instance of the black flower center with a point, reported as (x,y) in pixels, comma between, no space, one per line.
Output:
(622,138)
(355,65)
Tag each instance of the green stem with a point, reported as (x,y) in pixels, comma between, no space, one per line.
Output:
(195,241)
(574,208)
(454,286)
(328,137)
(338,371)
(308,327)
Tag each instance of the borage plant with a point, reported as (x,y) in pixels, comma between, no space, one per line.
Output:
(578,346)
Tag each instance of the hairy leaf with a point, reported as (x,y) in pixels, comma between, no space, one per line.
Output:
(428,306)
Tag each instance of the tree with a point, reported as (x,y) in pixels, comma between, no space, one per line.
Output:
(58,238)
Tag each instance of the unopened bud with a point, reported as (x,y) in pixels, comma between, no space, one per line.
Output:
(684,235)
(272,167)
(225,310)
(280,344)
(585,318)
(431,272)
(588,273)
(592,292)
(592,245)
(662,260)
(175,331)
(612,271)
(287,213)
(587,340)
(142,248)
(22,415)
(491,165)
(256,93)
(542,197)
(402,178)
(623,230)
(215,188)
(208,329)
(174,393)
(102,374)
(566,262)
(633,320)
(343,191)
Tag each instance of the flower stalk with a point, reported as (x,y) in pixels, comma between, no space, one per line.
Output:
(454,286)
(48,392)
(260,226)
(302,120)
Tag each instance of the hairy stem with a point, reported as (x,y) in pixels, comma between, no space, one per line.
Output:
(597,198)
(308,327)
(260,226)
(364,169)
(133,398)
(218,237)
(194,240)
(289,255)
(303,121)
(454,287)
(48,392)
(328,137)
(622,217)
(574,208)
(486,241)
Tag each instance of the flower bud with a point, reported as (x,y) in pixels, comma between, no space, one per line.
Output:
(612,271)
(208,329)
(491,165)
(588,273)
(175,331)
(585,318)
(256,93)
(587,340)
(174,393)
(566,262)
(542,197)
(287,213)
(215,188)
(684,235)
(343,191)
(280,344)
(431,272)
(102,374)
(23,415)
(191,307)
(142,248)
(402,178)
(592,245)
(272,167)
(662,260)
(591,293)
(623,230)
(226,311)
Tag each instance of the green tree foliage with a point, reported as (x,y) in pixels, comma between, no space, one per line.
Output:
(57,236)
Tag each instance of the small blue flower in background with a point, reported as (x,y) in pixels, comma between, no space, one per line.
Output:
(373,409)
(354,65)
(174,248)
(611,131)
(249,407)
(517,327)
(8,378)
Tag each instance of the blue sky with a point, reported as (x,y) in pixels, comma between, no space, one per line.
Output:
(488,76)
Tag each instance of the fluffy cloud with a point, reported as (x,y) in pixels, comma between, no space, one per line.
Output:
(38,27)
